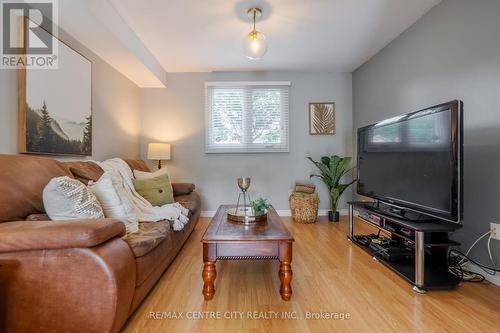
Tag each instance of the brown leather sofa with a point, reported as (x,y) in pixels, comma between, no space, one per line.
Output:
(75,276)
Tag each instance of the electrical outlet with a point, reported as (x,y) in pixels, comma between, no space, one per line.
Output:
(495,231)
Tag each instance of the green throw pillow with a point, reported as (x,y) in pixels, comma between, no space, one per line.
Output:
(158,191)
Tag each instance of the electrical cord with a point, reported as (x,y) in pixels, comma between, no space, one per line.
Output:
(467,276)
(489,252)
(475,262)
(464,274)
(466,259)
(473,244)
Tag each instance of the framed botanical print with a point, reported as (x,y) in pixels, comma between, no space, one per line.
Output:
(55,106)
(322,118)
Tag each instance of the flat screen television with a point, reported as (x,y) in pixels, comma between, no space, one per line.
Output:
(415,161)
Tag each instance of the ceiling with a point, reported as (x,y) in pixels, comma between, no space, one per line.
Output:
(146,39)
(207,35)
(97,25)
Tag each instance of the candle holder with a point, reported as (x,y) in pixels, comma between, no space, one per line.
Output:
(244,213)
(243,184)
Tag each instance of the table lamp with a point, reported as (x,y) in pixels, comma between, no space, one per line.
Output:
(159,151)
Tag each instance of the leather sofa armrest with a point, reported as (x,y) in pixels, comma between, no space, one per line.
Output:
(45,235)
(183,188)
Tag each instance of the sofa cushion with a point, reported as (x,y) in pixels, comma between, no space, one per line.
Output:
(113,205)
(154,259)
(85,171)
(138,165)
(38,217)
(66,198)
(182,188)
(149,236)
(141,175)
(191,201)
(46,235)
(23,179)
(158,191)
(163,253)
(151,266)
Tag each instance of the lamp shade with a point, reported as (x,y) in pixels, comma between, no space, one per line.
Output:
(255,45)
(159,151)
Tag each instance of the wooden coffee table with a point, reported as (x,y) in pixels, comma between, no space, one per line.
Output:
(227,240)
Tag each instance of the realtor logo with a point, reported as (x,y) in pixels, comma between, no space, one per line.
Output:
(28,34)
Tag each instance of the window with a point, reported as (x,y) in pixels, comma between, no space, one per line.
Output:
(247,117)
(387,134)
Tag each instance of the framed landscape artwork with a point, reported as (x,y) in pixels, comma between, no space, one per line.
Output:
(322,118)
(55,113)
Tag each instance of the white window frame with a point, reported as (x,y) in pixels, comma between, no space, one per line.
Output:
(211,148)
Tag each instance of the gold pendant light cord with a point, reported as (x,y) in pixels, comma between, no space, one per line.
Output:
(254,12)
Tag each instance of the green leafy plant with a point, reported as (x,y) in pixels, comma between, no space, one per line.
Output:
(260,206)
(332,169)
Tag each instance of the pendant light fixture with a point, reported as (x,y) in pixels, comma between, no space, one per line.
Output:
(255,45)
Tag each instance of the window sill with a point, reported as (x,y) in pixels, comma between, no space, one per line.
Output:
(246,151)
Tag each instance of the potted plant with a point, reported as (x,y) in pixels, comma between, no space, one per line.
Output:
(260,206)
(332,169)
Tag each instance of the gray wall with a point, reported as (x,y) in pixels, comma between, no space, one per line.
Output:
(115,109)
(177,115)
(452,52)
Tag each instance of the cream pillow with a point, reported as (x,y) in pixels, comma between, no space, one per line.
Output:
(65,198)
(142,175)
(111,203)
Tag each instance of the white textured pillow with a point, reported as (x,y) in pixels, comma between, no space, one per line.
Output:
(142,175)
(65,198)
(111,203)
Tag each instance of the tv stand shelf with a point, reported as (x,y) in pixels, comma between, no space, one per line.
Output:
(429,270)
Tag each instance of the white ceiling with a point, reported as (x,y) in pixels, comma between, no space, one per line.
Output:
(97,25)
(207,35)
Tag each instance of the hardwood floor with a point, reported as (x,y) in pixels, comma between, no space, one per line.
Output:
(329,275)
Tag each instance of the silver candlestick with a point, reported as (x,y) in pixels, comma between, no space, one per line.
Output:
(244,214)
(243,184)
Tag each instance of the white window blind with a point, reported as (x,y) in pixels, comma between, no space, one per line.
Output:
(247,117)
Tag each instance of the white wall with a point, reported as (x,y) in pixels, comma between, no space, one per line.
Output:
(453,52)
(115,109)
(177,115)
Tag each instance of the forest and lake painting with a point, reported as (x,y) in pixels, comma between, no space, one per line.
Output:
(57,113)
(46,134)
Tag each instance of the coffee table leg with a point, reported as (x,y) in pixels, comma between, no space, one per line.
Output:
(209,274)
(285,272)
(209,271)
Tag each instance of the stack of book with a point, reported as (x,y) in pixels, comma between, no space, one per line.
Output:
(305,188)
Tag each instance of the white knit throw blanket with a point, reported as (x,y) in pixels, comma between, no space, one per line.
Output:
(122,175)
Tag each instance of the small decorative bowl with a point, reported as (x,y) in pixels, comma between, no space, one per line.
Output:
(245,218)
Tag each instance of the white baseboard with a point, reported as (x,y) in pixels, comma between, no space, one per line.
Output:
(495,279)
(281,212)
(321,212)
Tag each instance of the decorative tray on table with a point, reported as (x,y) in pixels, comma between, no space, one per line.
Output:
(245,215)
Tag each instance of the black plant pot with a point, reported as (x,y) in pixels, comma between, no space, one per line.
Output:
(333,216)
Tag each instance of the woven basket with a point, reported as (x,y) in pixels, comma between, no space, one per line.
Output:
(304,207)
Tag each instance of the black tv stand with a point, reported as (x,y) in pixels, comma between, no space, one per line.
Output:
(430,240)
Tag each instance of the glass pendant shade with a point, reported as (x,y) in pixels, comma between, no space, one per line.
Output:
(255,45)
